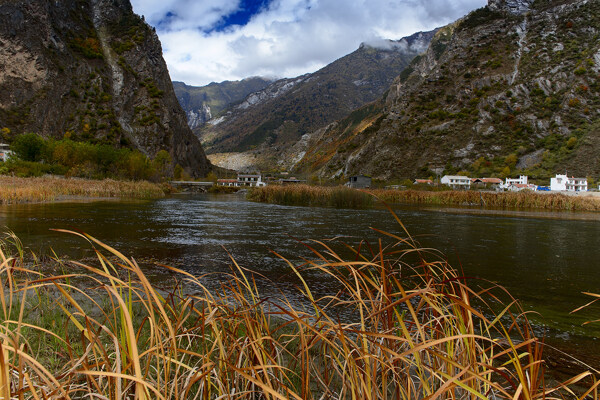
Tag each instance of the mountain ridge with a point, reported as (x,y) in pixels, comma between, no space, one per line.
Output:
(202,103)
(267,122)
(498,92)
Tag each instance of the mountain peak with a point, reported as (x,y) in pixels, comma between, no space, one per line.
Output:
(512,6)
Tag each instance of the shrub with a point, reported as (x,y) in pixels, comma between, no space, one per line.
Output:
(29,147)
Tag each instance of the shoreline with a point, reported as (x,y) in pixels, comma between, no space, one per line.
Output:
(343,197)
(54,189)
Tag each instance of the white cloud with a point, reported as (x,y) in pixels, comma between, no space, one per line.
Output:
(288,38)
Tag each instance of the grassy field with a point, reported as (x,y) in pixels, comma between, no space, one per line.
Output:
(352,198)
(24,190)
(420,330)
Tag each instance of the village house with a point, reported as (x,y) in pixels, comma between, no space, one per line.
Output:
(521,180)
(568,184)
(359,182)
(291,181)
(243,180)
(227,182)
(488,183)
(517,187)
(5,152)
(456,181)
(423,182)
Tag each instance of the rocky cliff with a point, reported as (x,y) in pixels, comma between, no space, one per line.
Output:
(202,103)
(93,70)
(267,122)
(511,88)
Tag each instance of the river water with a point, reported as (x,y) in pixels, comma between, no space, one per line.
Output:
(545,259)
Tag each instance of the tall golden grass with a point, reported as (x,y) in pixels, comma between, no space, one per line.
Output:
(306,195)
(419,331)
(24,190)
(352,198)
(512,200)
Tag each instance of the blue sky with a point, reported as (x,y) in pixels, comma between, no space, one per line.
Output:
(215,40)
(242,16)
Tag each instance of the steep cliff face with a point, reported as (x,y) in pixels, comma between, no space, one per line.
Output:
(269,121)
(512,6)
(499,92)
(94,70)
(202,103)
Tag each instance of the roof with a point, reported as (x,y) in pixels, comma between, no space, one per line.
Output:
(487,180)
(423,181)
(456,177)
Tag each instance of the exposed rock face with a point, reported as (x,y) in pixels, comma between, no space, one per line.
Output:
(201,103)
(199,116)
(271,120)
(94,69)
(512,6)
(494,94)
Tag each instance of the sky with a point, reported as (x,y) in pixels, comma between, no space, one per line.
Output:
(216,40)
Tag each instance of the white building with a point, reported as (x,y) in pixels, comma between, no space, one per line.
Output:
(5,151)
(564,183)
(517,187)
(243,180)
(456,181)
(521,180)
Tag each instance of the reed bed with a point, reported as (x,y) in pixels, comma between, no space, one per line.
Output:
(420,331)
(306,195)
(24,190)
(512,200)
(344,197)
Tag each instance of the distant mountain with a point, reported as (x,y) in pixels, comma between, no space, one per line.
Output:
(201,103)
(511,88)
(272,119)
(92,69)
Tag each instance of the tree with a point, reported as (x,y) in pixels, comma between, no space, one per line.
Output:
(511,160)
(5,133)
(162,162)
(178,172)
(29,147)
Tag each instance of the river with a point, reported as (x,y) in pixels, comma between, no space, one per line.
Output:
(545,259)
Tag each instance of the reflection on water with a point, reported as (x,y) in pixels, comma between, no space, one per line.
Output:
(546,262)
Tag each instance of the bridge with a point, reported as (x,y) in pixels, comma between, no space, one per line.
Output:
(191,186)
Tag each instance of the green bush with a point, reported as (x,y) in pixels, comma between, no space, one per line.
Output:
(29,147)
(37,156)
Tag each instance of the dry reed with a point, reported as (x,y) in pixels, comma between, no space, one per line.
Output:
(24,190)
(353,198)
(306,195)
(420,331)
(511,200)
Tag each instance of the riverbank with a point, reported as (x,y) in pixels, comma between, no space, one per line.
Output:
(305,195)
(420,331)
(47,189)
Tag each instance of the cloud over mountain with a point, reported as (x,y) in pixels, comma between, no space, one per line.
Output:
(215,40)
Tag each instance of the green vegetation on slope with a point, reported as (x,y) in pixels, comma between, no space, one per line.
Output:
(492,86)
(36,156)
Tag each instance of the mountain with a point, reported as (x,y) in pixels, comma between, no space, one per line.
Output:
(511,88)
(201,103)
(270,120)
(92,69)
